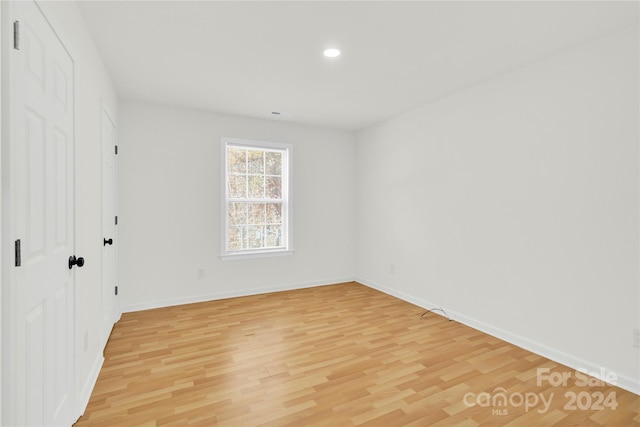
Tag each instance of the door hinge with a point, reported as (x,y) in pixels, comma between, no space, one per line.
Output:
(116,219)
(18,253)
(116,150)
(16,35)
(116,290)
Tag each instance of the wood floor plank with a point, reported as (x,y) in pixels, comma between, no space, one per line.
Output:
(339,355)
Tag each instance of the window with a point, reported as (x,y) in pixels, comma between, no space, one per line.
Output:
(256,217)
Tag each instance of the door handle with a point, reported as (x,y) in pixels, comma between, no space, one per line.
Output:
(75,261)
(107,242)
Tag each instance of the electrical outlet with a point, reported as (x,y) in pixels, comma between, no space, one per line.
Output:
(636,338)
(201,274)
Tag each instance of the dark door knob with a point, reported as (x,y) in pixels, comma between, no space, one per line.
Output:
(75,261)
(107,242)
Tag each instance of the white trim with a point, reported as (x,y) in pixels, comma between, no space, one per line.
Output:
(233,294)
(88,386)
(256,254)
(625,382)
(50,16)
(7,273)
(2,246)
(287,192)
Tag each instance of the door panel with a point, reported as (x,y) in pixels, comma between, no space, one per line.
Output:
(43,287)
(61,144)
(34,380)
(35,146)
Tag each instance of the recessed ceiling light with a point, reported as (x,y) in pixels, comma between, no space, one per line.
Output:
(331,53)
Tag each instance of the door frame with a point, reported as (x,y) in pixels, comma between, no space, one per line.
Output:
(7,269)
(3,206)
(5,246)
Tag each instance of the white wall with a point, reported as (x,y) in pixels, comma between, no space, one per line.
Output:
(92,88)
(169,207)
(514,206)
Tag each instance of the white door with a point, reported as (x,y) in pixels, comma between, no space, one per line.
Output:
(42,388)
(109,243)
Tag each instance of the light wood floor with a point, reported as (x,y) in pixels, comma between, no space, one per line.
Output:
(337,355)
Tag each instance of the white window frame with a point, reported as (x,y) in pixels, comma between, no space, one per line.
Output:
(287,224)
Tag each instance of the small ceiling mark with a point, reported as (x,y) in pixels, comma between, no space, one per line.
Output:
(280,114)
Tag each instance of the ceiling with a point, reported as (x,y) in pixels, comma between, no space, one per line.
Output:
(252,58)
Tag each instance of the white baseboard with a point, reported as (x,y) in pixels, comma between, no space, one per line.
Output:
(574,362)
(232,294)
(89,384)
(92,378)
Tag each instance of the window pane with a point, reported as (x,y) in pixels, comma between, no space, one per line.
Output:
(274,162)
(256,161)
(236,160)
(257,213)
(274,213)
(255,196)
(256,186)
(237,186)
(274,236)
(237,213)
(236,238)
(273,187)
(255,236)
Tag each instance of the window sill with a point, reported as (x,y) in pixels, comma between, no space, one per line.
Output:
(252,255)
